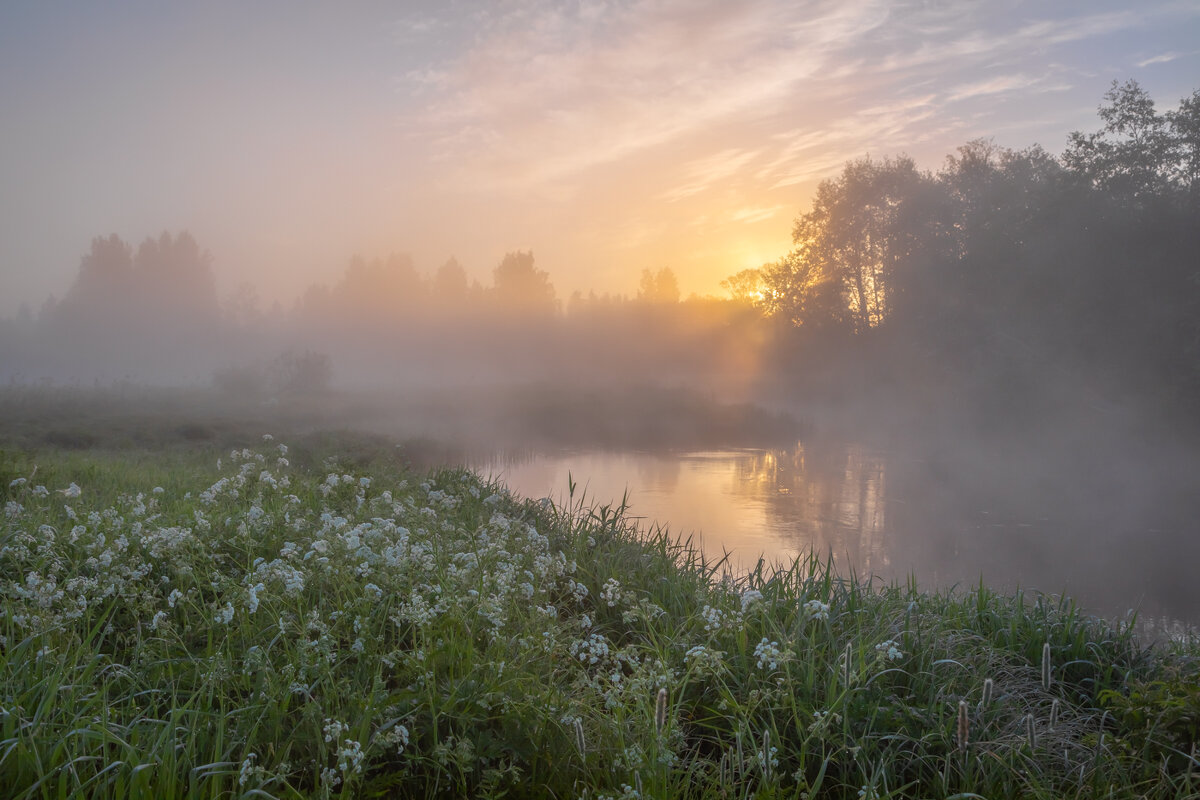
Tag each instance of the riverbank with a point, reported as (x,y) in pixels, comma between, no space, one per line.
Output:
(299,622)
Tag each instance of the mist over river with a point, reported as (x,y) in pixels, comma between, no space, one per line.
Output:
(1112,536)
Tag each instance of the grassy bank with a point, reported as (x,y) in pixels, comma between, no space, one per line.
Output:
(275,623)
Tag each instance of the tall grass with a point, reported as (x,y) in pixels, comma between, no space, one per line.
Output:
(259,629)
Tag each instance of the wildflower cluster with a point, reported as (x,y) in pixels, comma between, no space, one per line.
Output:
(278,632)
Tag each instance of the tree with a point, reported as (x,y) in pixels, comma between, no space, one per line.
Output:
(176,279)
(519,286)
(1131,155)
(660,287)
(105,284)
(848,248)
(1184,128)
(450,283)
(745,286)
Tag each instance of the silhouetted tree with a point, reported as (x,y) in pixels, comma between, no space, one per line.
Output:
(745,287)
(450,283)
(1130,155)
(104,287)
(1184,126)
(176,281)
(849,247)
(658,287)
(520,286)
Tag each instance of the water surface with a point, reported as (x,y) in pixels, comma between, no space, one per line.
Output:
(1112,544)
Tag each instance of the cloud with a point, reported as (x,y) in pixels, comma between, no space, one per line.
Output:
(752,215)
(998,85)
(1167,57)
(572,91)
(544,94)
(704,172)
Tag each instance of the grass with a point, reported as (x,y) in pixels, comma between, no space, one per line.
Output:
(300,624)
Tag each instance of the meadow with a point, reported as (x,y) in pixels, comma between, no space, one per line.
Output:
(314,619)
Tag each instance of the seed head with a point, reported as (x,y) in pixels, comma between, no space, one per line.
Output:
(660,710)
(964,725)
(580,742)
(986,700)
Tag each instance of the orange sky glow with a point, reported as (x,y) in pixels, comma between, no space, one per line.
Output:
(608,137)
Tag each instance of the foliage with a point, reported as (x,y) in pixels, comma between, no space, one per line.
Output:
(1008,265)
(269,631)
(1162,715)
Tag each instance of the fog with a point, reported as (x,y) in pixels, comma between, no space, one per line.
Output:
(1019,331)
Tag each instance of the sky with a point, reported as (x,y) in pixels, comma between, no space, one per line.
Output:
(607,137)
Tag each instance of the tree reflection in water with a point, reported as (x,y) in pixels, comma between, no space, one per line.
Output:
(894,514)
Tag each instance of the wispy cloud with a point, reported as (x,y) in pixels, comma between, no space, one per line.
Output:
(752,215)
(1164,58)
(547,92)
(704,172)
(1000,84)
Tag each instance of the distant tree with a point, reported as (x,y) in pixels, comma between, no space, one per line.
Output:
(519,286)
(378,289)
(658,287)
(745,286)
(175,278)
(450,283)
(104,287)
(242,308)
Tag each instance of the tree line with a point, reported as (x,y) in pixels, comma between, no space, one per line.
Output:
(1006,268)
(1005,280)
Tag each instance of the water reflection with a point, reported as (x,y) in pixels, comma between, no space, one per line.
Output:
(895,515)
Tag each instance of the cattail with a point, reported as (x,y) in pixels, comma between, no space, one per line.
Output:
(986,700)
(1030,733)
(580,742)
(1046,666)
(964,725)
(1053,715)
(660,710)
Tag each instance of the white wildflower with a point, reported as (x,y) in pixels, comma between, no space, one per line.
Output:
(611,592)
(252,599)
(330,778)
(350,756)
(768,653)
(398,737)
(591,650)
(817,610)
(890,650)
(714,619)
(334,729)
(750,597)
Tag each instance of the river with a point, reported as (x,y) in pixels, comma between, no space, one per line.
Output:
(1112,542)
